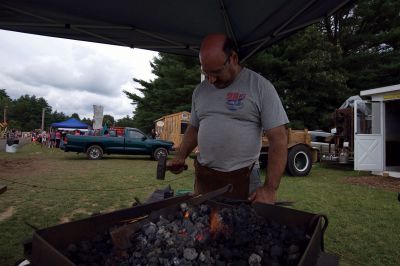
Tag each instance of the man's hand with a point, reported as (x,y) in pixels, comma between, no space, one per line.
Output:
(263,195)
(176,165)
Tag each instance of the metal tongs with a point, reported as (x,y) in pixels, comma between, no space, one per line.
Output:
(236,202)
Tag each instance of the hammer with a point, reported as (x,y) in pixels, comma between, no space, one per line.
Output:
(162,167)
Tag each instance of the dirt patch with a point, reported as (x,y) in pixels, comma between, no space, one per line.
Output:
(381,182)
(67,218)
(22,167)
(7,213)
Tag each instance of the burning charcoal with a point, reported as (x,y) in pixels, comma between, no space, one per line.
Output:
(205,209)
(176,261)
(173,227)
(184,207)
(190,254)
(141,242)
(85,246)
(162,221)
(254,260)
(293,258)
(161,230)
(196,236)
(137,254)
(273,263)
(225,253)
(259,250)
(276,251)
(152,259)
(202,257)
(150,229)
(170,242)
(189,227)
(194,215)
(219,263)
(293,249)
(239,263)
(72,248)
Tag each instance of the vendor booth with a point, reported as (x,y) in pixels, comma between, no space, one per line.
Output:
(70,124)
(377,132)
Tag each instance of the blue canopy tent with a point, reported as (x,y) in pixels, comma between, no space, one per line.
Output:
(70,123)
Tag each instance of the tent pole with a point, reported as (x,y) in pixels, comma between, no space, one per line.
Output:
(277,31)
(228,24)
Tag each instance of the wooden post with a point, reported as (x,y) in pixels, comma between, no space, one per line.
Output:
(5,114)
(43,109)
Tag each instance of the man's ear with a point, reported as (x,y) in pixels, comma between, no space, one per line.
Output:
(235,57)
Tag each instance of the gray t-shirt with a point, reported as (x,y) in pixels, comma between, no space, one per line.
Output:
(230,121)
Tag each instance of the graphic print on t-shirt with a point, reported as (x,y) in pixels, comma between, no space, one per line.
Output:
(234,100)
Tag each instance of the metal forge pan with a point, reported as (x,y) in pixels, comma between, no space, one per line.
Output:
(48,243)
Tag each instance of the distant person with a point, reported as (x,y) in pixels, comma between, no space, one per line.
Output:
(11,137)
(153,133)
(44,138)
(77,133)
(106,133)
(52,139)
(58,138)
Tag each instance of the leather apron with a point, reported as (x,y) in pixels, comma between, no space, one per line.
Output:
(208,179)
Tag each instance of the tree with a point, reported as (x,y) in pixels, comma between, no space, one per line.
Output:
(5,103)
(76,116)
(169,93)
(87,121)
(108,120)
(125,122)
(369,36)
(26,112)
(304,72)
(56,117)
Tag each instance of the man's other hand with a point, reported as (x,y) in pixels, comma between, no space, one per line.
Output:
(263,195)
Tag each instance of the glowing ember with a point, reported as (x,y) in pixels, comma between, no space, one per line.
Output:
(217,225)
(200,237)
(186,215)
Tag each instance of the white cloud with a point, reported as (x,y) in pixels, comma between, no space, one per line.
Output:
(72,75)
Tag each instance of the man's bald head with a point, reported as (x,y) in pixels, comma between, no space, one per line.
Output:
(219,60)
(215,44)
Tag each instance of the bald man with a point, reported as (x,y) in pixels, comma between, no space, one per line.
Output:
(230,110)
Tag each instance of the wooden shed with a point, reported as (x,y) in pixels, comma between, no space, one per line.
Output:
(172,127)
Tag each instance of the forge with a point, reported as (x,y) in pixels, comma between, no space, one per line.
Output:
(187,230)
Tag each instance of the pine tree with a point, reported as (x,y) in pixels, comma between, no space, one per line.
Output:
(169,93)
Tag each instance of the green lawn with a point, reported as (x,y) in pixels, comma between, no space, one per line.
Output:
(49,187)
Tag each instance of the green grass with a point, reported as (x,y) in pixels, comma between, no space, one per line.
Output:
(363,222)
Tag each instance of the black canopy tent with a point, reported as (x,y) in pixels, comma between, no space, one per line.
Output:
(175,26)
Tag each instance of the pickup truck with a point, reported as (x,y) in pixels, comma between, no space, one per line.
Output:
(133,142)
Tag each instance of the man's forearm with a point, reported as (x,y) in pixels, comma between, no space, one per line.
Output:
(189,142)
(277,158)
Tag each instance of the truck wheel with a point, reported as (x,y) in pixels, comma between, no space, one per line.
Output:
(299,161)
(94,152)
(160,152)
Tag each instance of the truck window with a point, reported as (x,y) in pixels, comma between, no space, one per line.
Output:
(135,134)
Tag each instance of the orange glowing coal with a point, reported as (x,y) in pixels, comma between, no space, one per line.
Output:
(216,224)
(200,237)
(186,215)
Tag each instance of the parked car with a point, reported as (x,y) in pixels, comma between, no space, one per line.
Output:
(133,142)
(323,142)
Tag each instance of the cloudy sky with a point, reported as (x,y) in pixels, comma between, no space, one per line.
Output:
(72,76)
